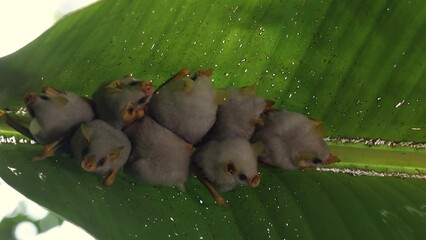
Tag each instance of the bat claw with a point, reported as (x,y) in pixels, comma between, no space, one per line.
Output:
(50,149)
(108,182)
(220,201)
(111,178)
(182,73)
(47,152)
(43,156)
(216,195)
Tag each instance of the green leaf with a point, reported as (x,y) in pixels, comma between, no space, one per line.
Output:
(358,66)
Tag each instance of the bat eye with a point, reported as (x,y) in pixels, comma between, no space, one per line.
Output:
(133,83)
(242,177)
(317,161)
(101,162)
(44,97)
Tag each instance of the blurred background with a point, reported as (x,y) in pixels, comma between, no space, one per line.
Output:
(21,21)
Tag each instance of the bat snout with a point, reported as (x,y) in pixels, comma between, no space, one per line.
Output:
(146,87)
(332,159)
(89,163)
(255,181)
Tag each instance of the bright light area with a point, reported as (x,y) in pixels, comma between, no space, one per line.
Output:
(21,21)
(16,203)
(64,231)
(25,230)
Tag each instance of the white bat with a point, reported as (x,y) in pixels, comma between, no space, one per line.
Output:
(121,102)
(291,141)
(101,148)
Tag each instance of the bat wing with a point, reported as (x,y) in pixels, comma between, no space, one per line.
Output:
(20,123)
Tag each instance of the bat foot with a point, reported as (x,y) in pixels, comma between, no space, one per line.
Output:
(220,201)
(111,178)
(44,155)
(216,195)
(181,187)
(50,149)
(108,182)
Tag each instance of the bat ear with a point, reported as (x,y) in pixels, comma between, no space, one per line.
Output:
(113,155)
(35,127)
(114,85)
(60,100)
(50,90)
(268,105)
(86,131)
(187,85)
(230,168)
(319,127)
(221,96)
(257,148)
(146,87)
(249,90)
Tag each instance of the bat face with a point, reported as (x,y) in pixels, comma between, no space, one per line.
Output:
(292,141)
(308,160)
(103,162)
(100,147)
(133,85)
(121,102)
(55,113)
(49,100)
(242,176)
(229,163)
